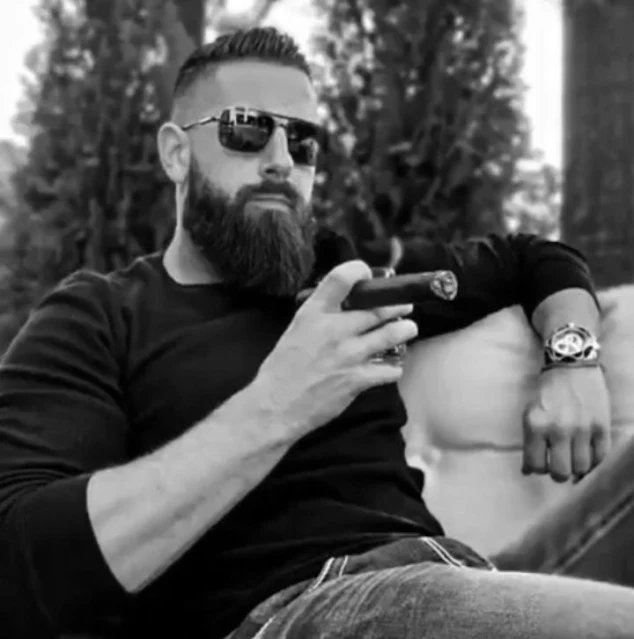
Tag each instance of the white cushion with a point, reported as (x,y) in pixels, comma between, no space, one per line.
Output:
(466,392)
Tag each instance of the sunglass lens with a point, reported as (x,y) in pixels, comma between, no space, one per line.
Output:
(245,130)
(304,142)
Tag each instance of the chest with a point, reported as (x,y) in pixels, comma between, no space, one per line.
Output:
(182,367)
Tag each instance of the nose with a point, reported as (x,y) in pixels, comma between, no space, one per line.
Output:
(277,162)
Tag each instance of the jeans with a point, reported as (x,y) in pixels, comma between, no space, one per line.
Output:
(550,583)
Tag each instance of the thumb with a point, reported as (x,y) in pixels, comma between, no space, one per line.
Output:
(336,286)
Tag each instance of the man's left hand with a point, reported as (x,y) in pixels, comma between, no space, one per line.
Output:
(567,425)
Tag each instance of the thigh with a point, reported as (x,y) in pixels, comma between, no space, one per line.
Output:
(437,601)
(588,535)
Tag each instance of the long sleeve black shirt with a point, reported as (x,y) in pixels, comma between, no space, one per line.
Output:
(110,367)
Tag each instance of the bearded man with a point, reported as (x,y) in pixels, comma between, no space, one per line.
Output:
(185,452)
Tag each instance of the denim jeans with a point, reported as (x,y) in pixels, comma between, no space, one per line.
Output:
(550,583)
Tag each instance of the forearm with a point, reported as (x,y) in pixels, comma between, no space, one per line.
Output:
(575,305)
(146,514)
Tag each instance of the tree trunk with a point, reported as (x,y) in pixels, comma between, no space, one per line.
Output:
(192,16)
(183,30)
(598,211)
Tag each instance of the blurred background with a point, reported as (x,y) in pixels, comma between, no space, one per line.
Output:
(449,119)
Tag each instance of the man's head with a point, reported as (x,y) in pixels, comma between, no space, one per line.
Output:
(241,148)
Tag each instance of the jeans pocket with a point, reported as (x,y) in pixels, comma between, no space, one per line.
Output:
(259,620)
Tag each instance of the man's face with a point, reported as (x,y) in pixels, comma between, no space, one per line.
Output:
(249,213)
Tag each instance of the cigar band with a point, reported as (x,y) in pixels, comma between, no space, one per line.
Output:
(444,285)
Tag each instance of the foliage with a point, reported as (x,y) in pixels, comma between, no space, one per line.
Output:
(423,102)
(91,192)
(535,207)
(11,157)
(222,20)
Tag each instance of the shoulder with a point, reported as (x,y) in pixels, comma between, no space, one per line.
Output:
(106,291)
(89,306)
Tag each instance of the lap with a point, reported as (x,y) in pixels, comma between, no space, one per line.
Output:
(439,601)
(431,599)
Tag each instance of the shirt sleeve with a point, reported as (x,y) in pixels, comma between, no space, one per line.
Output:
(61,419)
(493,272)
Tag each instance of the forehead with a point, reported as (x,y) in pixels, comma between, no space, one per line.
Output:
(262,85)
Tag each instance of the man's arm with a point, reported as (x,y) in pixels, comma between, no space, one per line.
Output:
(576,305)
(567,423)
(81,526)
(550,280)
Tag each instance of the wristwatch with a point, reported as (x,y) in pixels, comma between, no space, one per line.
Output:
(571,346)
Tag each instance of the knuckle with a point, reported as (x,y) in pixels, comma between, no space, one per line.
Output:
(301,317)
(345,352)
(537,429)
(536,419)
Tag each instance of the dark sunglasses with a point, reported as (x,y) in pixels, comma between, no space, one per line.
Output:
(249,131)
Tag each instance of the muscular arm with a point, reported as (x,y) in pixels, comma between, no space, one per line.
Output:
(147,513)
(495,272)
(81,526)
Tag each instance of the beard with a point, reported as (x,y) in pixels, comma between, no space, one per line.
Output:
(270,252)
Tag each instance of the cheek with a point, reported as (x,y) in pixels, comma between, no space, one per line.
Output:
(231,173)
(304,181)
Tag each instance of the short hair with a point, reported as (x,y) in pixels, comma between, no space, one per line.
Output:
(259,43)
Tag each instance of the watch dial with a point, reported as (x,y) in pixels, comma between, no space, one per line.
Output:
(568,344)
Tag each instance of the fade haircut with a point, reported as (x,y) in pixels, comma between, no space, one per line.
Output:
(258,43)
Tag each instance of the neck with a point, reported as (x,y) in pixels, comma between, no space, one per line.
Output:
(184,263)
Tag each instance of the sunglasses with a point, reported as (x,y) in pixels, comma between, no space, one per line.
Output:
(249,130)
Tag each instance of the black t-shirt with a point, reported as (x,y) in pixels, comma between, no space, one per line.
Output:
(110,367)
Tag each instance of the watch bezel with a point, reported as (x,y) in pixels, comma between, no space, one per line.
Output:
(587,352)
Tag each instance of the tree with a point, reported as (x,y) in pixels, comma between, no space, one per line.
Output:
(423,101)
(91,192)
(535,207)
(598,215)
(11,158)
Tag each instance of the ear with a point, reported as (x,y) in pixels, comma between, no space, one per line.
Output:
(175,151)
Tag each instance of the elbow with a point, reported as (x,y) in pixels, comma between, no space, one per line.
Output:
(21,615)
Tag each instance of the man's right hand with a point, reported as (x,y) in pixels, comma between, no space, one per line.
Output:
(322,361)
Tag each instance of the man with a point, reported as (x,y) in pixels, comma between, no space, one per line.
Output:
(184,453)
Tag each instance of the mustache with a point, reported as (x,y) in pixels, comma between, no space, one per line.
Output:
(283,189)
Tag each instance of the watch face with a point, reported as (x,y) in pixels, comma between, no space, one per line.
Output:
(568,343)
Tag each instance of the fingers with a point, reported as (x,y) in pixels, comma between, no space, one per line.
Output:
(357,322)
(535,446)
(336,286)
(582,454)
(560,458)
(378,374)
(388,336)
(601,441)
(561,450)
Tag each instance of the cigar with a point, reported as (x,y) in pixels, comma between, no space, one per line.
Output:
(400,289)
